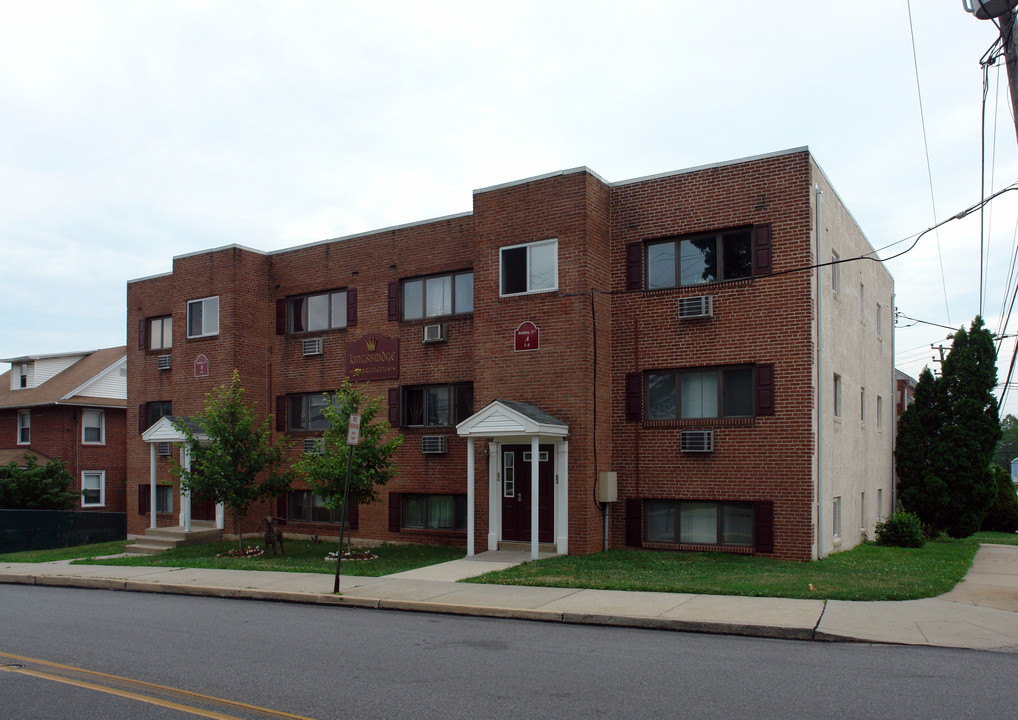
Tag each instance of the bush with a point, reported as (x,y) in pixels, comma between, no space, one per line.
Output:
(903,529)
(1003,514)
(37,487)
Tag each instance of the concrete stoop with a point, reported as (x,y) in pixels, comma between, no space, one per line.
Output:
(160,539)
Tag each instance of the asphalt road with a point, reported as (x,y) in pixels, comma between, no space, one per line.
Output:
(210,654)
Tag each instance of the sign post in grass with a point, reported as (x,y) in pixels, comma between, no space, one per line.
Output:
(353,436)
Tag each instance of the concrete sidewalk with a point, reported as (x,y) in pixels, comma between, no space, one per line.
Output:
(980,613)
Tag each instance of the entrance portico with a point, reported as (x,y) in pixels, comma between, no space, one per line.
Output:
(167,430)
(520,437)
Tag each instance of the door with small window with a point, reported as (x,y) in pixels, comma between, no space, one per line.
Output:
(517,461)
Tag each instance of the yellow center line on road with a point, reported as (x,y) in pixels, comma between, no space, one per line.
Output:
(140,684)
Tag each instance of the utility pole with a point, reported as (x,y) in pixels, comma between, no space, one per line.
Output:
(1002,12)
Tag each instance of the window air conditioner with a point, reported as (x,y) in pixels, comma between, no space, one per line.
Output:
(312,346)
(697,306)
(697,441)
(163,362)
(164,448)
(434,333)
(433,444)
(313,446)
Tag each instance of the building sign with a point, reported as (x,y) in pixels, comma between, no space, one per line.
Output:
(527,337)
(376,356)
(201,366)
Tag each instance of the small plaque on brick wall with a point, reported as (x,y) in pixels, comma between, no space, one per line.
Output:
(527,337)
(201,366)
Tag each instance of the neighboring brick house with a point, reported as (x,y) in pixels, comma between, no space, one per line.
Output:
(70,406)
(664,329)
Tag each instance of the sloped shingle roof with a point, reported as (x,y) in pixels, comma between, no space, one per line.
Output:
(54,390)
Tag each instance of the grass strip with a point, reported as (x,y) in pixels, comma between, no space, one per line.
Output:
(70,553)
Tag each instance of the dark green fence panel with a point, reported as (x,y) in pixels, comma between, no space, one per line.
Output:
(45,529)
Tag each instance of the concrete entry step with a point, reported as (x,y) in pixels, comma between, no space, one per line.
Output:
(156,540)
(525,547)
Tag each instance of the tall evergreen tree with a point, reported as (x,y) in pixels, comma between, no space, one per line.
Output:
(947,437)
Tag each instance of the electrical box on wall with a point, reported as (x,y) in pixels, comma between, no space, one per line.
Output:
(607,487)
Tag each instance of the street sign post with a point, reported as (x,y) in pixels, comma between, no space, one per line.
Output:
(353,436)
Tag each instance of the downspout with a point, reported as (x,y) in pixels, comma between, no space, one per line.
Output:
(820,380)
(894,417)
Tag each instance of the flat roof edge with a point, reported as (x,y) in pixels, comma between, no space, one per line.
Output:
(708,166)
(536,178)
(366,233)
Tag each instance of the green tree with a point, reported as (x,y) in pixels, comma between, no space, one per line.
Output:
(1003,515)
(372,465)
(37,487)
(1007,448)
(947,437)
(238,464)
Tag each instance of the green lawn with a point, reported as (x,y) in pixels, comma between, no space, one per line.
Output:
(81,551)
(301,556)
(998,538)
(866,572)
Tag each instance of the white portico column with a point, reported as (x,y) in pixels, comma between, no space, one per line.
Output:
(535,461)
(562,489)
(185,496)
(470,497)
(152,484)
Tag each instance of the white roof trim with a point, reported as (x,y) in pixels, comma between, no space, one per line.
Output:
(498,420)
(165,431)
(121,362)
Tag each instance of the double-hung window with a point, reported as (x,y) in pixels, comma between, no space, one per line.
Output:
(93,488)
(706,258)
(160,333)
(24,427)
(434,512)
(698,522)
(152,412)
(321,311)
(436,405)
(304,411)
(203,317)
(93,427)
(699,393)
(451,294)
(530,268)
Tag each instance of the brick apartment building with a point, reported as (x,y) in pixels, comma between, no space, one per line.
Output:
(664,337)
(70,406)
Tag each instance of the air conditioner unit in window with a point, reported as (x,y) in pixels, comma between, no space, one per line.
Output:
(164,448)
(697,306)
(312,346)
(313,446)
(697,441)
(434,333)
(433,444)
(163,362)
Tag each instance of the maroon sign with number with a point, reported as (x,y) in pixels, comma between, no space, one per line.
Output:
(201,366)
(527,337)
(376,356)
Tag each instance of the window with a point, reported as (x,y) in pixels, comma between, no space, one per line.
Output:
(837,395)
(880,504)
(203,317)
(154,411)
(160,333)
(93,488)
(698,522)
(304,412)
(879,329)
(835,258)
(529,268)
(436,405)
(93,427)
(164,499)
(434,512)
(23,375)
(880,412)
(437,296)
(862,511)
(306,506)
(707,393)
(323,311)
(836,512)
(703,259)
(862,404)
(24,427)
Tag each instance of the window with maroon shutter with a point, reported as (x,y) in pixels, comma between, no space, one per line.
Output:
(634,522)
(316,312)
(395,511)
(634,397)
(281,316)
(393,301)
(351,307)
(280,413)
(142,418)
(634,266)
(764,526)
(765,389)
(394,406)
(353,517)
(144,499)
(142,334)
(762,249)
(282,509)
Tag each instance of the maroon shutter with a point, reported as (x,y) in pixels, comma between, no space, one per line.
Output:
(144,499)
(634,522)
(351,307)
(353,518)
(395,511)
(634,397)
(765,389)
(764,526)
(142,333)
(280,413)
(394,406)
(762,249)
(393,301)
(281,316)
(634,266)
(282,508)
(142,418)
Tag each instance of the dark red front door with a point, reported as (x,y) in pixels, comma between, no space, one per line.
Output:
(516,492)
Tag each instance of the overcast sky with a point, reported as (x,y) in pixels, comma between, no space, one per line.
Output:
(134,131)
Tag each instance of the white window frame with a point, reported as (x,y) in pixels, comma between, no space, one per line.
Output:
(529,291)
(205,329)
(835,279)
(101,474)
(24,427)
(102,426)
